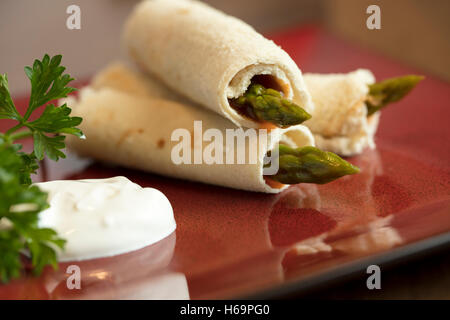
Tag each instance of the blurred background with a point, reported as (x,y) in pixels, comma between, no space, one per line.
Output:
(413,31)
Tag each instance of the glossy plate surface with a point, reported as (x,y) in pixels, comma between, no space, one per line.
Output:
(231,243)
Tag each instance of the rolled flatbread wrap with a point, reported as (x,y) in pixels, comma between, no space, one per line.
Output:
(210,57)
(130,128)
(126,78)
(339,121)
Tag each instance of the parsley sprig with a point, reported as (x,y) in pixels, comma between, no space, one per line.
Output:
(20,202)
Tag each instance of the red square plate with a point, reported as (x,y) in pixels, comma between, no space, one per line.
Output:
(231,243)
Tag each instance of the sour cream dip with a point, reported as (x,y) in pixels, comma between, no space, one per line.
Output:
(105,217)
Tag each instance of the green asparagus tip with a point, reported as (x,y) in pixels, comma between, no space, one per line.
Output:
(390,90)
(310,165)
(269,105)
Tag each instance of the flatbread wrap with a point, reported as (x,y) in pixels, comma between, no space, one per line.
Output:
(217,61)
(347,108)
(134,129)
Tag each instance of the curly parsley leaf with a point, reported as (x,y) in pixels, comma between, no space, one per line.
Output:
(10,246)
(20,202)
(51,146)
(7,108)
(30,167)
(41,243)
(47,82)
(57,120)
(19,213)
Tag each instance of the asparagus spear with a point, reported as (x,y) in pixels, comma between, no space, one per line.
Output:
(310,165)
(390,90)
(269,105)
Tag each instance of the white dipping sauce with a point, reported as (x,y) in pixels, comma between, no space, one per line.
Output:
(105,217)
